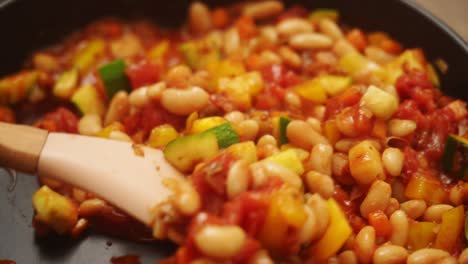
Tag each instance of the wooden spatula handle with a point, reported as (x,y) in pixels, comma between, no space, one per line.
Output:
(20,146)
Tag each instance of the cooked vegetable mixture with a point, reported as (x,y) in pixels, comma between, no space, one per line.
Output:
(302,140)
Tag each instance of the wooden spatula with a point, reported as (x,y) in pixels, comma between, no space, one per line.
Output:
(127,176)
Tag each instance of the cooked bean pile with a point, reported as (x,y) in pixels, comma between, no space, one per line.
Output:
(302,140)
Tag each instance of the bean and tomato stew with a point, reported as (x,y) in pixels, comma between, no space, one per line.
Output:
(302,140)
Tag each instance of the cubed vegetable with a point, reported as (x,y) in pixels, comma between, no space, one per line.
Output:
(241,88)
(456,151)
(143,73)
(410,59)
(421,234)
(162,135)
(186,152)
(426,187)
(288,159)
(283,124)
(200,125)
(54,210)
(114,78)
(15,88)
(88,55)
(286,210)
(365,163)
(381,103)
(451,228)
(244,150)
(88,101)
(355,64)
(197,56)
(158,51)
(312,90)
(336,235)
(225,134)
(335,84)
(66,83)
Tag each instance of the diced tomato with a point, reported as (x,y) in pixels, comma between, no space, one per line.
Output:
(245,27)
(410,162)
(417,86)
(248,210)
(408,109)
(61,120)
(211,177)
(349,208)
(280,75)
(7,115)
(347,98)
(381,224)
(266,101)
(149,116)
(142,74)
(358,39)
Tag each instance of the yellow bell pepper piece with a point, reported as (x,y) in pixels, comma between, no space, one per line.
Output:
(355,64)
(161,135)
(336,235)
(334,84)
(200,125)
(409,59)
(426,188)
(241,88)
(87,56)
(244,150)
(288,159)
(421,234)
(158,51)
(286,210)
(66,83)
(312,90)
(331,132)
(105,132)
(301,154)
(54,210)
(381,103)
(17,87)
(450,228)
(224,68)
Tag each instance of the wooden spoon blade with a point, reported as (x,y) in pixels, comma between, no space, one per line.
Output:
(127,176)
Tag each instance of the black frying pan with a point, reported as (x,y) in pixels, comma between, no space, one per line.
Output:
(26,25)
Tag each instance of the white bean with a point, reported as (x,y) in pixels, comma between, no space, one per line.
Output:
(237,180)
(292,26)
(308,41)
(390,254)
(320,158)
(378,198)
(427,256)
(401,127)
(392,160)
(184,102)
(200,18)
(220,241)
(414,208)
(265,9)
(139,97)
(330,28)
(320,183)
(302,134)
(400,228)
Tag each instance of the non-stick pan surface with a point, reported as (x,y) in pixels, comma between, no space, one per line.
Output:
(26,25)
